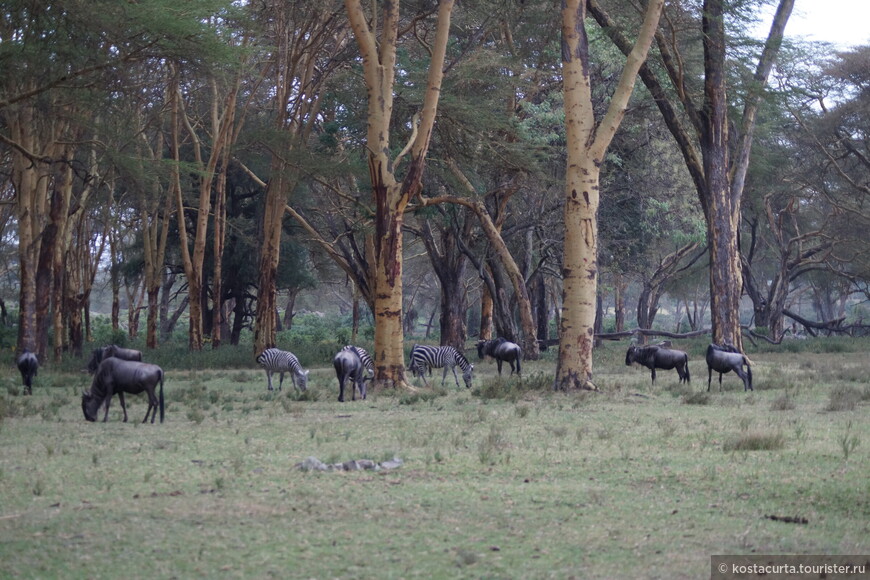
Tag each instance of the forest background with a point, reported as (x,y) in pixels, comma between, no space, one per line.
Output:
(172,174)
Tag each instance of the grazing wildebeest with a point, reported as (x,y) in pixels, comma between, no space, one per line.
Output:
(349,367)
(280,361)
(724,359)
(112,350)
(115,375)
(502,351)
(28,365)
(654,357)
(425,356)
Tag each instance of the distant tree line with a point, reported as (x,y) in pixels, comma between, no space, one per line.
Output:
(213,161)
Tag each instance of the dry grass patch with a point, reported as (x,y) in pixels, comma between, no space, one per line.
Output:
(844,398)
(755,441)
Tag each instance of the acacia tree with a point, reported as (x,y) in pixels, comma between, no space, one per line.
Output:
(441,237)
(717,160)
(305,38)
(378,50)
(587,144)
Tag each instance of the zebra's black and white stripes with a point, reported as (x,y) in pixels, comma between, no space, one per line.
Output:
(427,357)
(280,361)
(366,359)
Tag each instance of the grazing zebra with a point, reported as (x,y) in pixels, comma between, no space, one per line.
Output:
(366,359)
(424,356)
(281,361)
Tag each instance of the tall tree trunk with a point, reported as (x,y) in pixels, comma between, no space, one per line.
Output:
(115,280)
(449,264)
(45,267)
(155,235)
(220,221)
(720,191)
(587,145)
(300,46)
(31,179)
(542,311)
(722,220)
(619,286)
(486,308)
(265,329)
(61,213)
(391,197)
(521,295)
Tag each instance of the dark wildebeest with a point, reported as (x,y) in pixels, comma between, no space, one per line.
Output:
(724,359)
(112,350)
(120,376)
(349,367)
(502,351)
(653,357)
(28,365)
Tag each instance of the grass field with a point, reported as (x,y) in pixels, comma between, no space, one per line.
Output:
(507,480)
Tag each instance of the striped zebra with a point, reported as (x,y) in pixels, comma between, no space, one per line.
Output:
(366,359)
(427,357)
(281,361)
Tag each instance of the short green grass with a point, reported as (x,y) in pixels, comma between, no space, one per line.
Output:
(507,480)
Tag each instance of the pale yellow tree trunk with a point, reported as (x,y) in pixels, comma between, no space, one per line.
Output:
(222,122)
(301,46)
(587,145)
(36,140)
(391,196)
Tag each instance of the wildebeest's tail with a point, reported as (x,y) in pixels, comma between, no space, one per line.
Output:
(519,359)
(161,397)
(688,376)
(748,370)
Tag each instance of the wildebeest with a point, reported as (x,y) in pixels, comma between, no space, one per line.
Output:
(654,356)
(349,367)
(112,350)
(724,359)
(281,361)
(428,357)
(502,351)
(28,365)
(115,375)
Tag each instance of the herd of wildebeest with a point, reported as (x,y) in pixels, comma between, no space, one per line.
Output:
(121,370)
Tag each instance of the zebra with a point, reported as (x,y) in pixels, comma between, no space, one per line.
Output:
(424,356)
(366,359)
(281,361)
